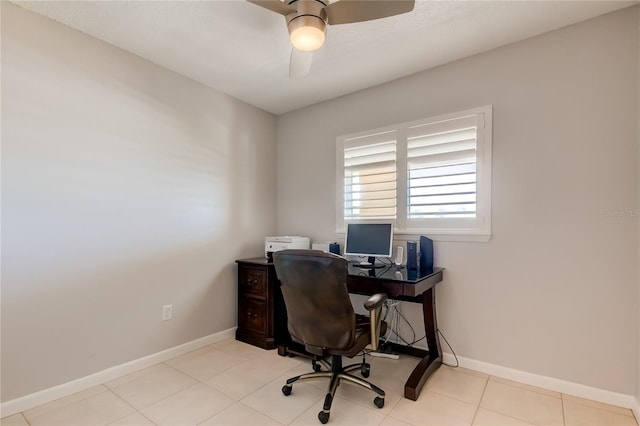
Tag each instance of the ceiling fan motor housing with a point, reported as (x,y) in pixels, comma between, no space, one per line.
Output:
(308,22)
(308,7)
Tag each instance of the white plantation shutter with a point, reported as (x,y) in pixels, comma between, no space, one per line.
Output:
(431,176)
(441,169)
(370,176)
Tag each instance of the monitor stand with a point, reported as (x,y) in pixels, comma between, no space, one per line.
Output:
(370,263)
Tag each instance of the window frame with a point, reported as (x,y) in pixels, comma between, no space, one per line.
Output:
(440,229)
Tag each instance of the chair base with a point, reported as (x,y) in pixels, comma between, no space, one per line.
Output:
(336,374)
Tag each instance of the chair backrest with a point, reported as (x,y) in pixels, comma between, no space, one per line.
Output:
(314,287)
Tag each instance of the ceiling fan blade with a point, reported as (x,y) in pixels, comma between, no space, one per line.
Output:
(347,11)
(300,63)
(275,6)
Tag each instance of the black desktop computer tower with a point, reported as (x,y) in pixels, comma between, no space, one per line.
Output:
(426,253)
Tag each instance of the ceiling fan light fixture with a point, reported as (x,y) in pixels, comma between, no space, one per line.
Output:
(307,32)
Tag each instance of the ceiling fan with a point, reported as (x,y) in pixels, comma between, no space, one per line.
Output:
(307,22)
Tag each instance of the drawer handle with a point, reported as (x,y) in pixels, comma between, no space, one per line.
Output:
(252,282)
(252,315)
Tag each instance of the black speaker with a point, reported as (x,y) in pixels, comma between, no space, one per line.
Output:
(412,255)
(426,253)
(334,248)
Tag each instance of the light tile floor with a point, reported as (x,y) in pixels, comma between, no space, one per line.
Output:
(231,383)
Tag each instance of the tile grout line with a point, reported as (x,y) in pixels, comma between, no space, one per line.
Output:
(135,410)
(70,401)
(240,400)
(216,414)
(529,389)
(600,406)
(161,399)
(264,414)
(508,415)
(25,418)
(564,416)
(475,414)
(308,408)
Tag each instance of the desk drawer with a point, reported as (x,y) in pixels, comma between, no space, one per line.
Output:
(253,281)
(252,316)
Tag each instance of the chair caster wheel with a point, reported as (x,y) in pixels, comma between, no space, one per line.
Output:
(379,402)
(286,390)
(365,370)
(316,366)
(323,417)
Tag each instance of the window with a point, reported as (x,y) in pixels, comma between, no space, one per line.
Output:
(431,176)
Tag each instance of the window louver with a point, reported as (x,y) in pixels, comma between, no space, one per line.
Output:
(370,177)
(441,169)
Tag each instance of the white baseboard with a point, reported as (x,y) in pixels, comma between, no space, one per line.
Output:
(550,383)
(26,402)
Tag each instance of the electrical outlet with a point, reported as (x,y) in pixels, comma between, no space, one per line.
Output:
(167,312)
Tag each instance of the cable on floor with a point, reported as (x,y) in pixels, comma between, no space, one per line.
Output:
(452,351)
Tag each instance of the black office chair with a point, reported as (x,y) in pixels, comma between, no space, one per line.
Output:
(321,317)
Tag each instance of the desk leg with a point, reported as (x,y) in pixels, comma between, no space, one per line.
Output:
(433,359)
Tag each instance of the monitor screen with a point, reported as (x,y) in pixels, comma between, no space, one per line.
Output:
(369,239)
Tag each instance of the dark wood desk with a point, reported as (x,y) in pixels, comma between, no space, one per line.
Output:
(409,286)
(270,324)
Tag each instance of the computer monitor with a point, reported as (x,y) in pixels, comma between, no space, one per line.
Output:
(371,239)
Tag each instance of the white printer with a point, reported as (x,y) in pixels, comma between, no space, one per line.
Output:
(273,244)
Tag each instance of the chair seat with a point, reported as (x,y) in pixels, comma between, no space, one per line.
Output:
(362,336)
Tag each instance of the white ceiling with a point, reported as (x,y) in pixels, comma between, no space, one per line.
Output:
(243,50)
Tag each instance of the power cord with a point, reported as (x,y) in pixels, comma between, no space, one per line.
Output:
(394,323)
(452,351)
(394,329)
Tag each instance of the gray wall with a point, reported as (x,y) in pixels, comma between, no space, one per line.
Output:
(124,187)
(555,291)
